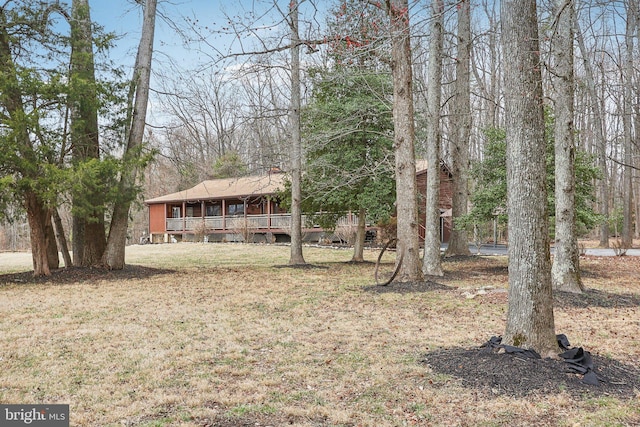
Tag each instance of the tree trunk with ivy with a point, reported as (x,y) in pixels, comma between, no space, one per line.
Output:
(89,236)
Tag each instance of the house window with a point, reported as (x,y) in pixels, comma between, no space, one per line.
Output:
(213,210)
(236,209)
(190,211)
(175,212)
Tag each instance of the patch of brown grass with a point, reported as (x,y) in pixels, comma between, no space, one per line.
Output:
(230,339)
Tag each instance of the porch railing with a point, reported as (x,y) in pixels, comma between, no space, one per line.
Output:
(260,222)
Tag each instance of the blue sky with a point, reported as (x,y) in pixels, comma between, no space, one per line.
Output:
(124,17)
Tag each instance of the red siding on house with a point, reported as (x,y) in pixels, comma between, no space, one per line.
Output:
(445,188)
(157,222)
(446,194)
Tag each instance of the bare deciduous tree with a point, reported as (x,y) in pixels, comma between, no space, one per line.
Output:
(600,134)
(404,142)
(627,111)
(296,257)
(431,263)
(459,243)
(114,253)
(566,262)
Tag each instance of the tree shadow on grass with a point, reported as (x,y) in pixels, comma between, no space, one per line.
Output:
(595,298)
(302,266)
(408,287)
(70,275)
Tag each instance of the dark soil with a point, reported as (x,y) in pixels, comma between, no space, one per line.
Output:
(465,266)
(83,274)
(408,287)
(595,298)
(515,376)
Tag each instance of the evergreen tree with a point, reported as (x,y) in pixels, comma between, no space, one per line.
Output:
(348,137)
(31,99)
(489,194)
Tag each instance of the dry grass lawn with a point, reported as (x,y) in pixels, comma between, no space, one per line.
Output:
(231,337)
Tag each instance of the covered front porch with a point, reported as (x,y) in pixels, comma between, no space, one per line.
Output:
(245,209)
(242,227)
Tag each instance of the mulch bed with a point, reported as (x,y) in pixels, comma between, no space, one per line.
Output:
(83,274)
(512,375)
(515,376)
(408,287)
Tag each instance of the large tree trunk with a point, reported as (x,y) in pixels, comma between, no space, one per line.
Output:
(566,261)
(636,170)
(404,141)
(89,239)
(114,254)
(459,242)
(38,217)
(53,258)
(530,321)
(296,257)
(361,232)
(627,199)
(601,143)
(431,263)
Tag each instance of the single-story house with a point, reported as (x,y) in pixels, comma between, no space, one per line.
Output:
(247,208)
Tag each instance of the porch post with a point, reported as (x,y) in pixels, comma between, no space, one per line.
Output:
(224,215)
(184,216)
(202,214)
(244,211)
